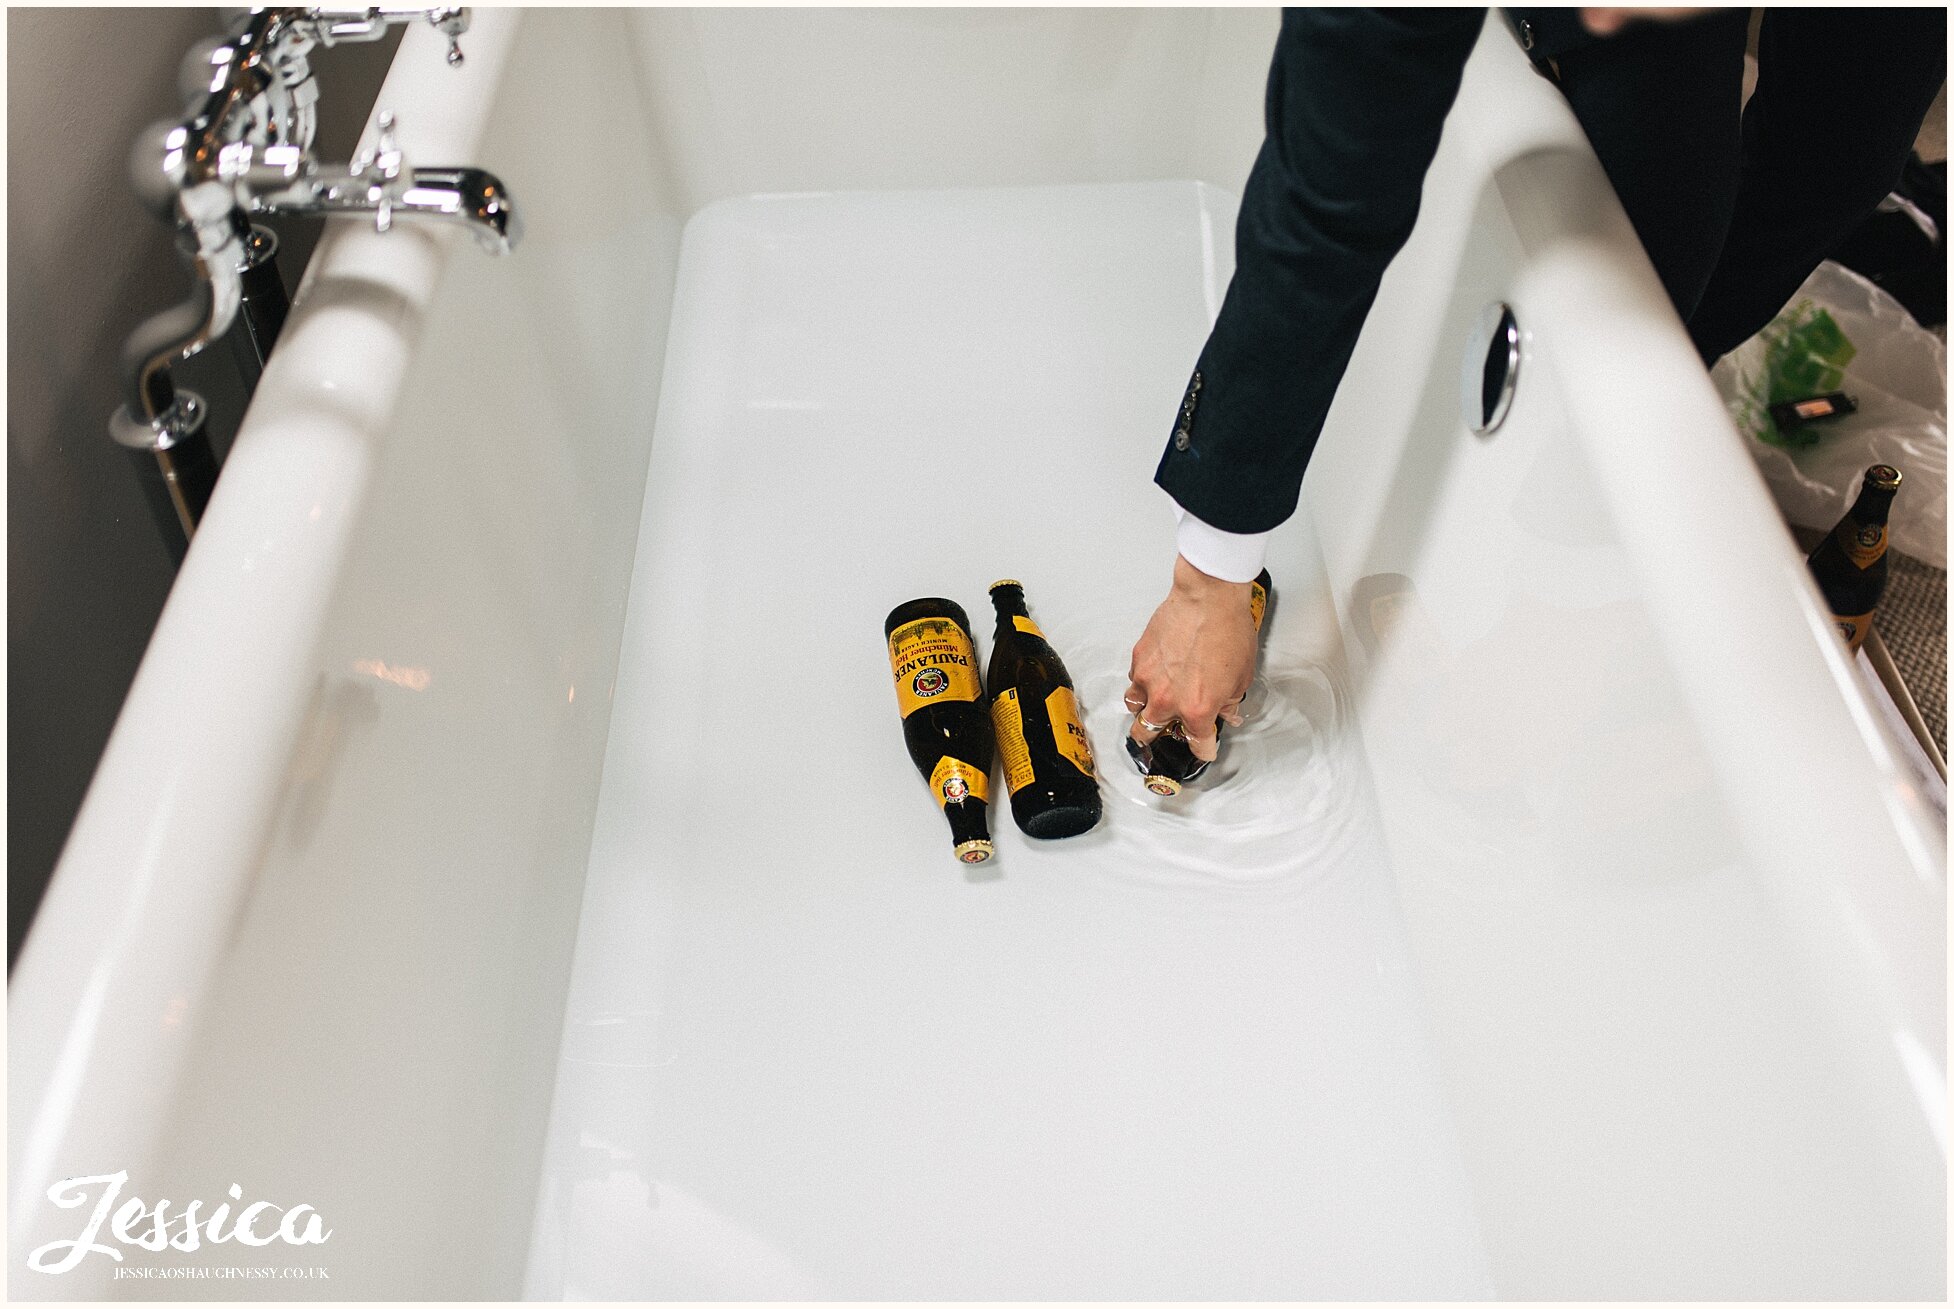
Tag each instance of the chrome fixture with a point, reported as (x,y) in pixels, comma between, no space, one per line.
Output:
(1490,370)
(243,151)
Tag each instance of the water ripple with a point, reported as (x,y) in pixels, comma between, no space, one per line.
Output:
(1279,807)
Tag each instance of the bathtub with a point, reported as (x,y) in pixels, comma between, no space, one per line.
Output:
(506,849)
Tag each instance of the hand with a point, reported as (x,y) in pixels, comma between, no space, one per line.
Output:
(1195,660)
(1607,22)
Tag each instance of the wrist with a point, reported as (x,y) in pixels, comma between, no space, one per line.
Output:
(1230,556)
(1193,584)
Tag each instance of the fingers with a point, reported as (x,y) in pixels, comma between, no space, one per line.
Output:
(1152,714)
(1231,713)
(1145,726)
(1149,723)
(1606,22)
(1205,740)
(1151,719)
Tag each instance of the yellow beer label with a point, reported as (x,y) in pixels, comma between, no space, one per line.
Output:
(1024,624)
(953,779)
(1008,721)
(1863,545)
(934,662)
(1854,628)
(1258,602)
(1070,734)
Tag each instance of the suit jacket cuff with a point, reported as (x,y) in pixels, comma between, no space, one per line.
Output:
(1230,556)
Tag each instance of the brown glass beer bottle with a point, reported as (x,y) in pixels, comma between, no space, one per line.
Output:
(1047,760)
(943,719)
(1850,563)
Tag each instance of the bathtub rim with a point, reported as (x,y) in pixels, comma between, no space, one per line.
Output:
(109,984)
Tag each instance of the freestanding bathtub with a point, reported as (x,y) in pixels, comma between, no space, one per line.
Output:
(507,849)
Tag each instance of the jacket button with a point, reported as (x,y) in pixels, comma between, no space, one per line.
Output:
(1180,439)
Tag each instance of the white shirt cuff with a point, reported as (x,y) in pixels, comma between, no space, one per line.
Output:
(1230,556)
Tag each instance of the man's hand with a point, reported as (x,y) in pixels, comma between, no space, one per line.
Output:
(1195,660)
(1607,22)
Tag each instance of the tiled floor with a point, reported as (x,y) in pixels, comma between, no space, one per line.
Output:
(1913,623)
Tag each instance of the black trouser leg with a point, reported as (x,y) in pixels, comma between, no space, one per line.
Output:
(1661,104)
(1839,100)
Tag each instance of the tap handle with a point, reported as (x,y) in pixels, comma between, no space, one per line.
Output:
(382,169)
(333,26)
(451,22)
(389,164)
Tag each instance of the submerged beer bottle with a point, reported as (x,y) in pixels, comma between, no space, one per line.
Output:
(943,719)
(1850,563)
(1047,761)
(1169,762)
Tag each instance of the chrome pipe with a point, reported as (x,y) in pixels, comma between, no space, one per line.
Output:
(262,305)
(244,149)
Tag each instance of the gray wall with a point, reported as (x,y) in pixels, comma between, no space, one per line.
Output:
(87,569)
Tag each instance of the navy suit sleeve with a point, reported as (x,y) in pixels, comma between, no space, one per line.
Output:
(1356,100)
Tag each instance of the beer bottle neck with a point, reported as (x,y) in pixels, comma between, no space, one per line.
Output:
(1009,603)
(969,820)
(1872,506)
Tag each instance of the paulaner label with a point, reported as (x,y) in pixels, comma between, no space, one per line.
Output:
(1067,731)
(1864,544)
(952,779)
(934,662)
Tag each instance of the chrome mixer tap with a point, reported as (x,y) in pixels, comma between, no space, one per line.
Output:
(243,151)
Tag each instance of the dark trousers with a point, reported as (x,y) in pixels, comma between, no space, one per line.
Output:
(1735,212)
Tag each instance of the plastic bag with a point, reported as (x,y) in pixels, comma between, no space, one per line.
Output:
(1842,333)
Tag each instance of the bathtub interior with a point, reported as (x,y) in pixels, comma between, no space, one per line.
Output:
(1595,1026)
(1656,1091)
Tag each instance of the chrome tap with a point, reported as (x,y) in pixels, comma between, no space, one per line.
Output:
(243,151)
(282,179)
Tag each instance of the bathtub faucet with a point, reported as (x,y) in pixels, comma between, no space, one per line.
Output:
(280,179)
(242,152)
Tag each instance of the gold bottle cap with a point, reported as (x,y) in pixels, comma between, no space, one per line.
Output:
(975,852)
(1162,785)
(1007,581)
(1884,476)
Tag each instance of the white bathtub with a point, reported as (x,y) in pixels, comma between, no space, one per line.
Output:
(506,848)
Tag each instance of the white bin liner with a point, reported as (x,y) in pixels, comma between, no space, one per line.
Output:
(1842,333)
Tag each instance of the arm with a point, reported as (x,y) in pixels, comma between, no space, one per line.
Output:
(1355,104)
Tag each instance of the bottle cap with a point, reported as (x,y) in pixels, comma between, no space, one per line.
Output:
(1007,581)
(1884,476)
(1162,785)
(974,852)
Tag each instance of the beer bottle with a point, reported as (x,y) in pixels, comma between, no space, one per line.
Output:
(1169,762)
(1047,761)
(943,719)
(1850,563)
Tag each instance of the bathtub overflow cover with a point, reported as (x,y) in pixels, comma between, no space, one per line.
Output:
(1490,369)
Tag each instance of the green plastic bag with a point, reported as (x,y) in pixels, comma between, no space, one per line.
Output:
(1805,354)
